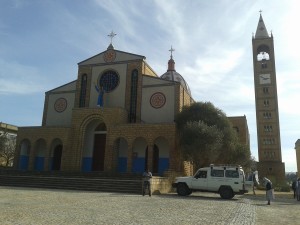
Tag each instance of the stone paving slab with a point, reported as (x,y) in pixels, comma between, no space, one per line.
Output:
(26,206)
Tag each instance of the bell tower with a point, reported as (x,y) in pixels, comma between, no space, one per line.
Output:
(267,114)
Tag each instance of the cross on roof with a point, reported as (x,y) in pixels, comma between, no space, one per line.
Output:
(111,35)
(260,11)
(172,50)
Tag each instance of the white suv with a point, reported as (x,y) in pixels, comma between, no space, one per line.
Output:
(227,180)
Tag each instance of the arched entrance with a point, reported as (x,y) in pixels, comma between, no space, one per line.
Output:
(24,155)
(99,148)
(139,155)
(40,149)
(155,159)
(56,161)
(120,151)
(161,155)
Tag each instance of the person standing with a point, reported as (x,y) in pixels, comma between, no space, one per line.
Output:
(255,180)
(269,190)
(147,176)
(298,189)
(294,187)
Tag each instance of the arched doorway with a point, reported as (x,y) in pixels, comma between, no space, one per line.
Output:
(24,155)
(161,155)
(139,155)
(40,149)
(99,148)
(120,151)
(155,160)
(56,161)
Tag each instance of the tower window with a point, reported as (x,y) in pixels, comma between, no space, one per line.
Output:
(264,64)
(266,90)
(236,129)
(267,115)
(266,103)
(268,128)
(263,56)
(268,141)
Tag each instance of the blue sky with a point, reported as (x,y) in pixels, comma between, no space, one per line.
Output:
(43,40)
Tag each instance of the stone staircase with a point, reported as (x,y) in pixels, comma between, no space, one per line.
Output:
(121,183)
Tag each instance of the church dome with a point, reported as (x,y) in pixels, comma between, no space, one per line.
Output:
(172,75)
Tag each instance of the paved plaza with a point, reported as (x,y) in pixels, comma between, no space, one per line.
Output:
(24,206)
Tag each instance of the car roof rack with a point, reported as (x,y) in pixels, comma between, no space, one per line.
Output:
(226,165)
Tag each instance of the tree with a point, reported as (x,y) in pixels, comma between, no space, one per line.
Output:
(207,136)
(200,142)
(7,149)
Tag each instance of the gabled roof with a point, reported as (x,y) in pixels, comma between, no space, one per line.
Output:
(261,31)
(120,57)
(71,86)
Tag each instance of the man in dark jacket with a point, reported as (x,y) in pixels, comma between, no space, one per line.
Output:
(294,188)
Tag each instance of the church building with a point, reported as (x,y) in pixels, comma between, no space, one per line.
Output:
(117,116)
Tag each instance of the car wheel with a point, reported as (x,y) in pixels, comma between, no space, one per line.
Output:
(226,193)
(182,189)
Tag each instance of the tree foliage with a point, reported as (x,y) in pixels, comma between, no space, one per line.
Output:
(200,142)
(207,136)
(7,149)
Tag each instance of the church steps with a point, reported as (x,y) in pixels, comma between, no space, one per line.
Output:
(112,184)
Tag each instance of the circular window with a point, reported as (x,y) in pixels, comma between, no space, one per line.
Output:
(158,100)
(109,80)
(60,105)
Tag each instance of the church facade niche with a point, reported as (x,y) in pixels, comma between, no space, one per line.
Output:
(24,154)
(40,149)
(139,155)
(161,155)
(120,155)
(56,151)
(56,158)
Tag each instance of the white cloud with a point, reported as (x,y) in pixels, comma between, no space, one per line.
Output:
(289,158)
(19,79)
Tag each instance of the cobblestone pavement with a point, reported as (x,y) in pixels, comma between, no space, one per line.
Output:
(24,206)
